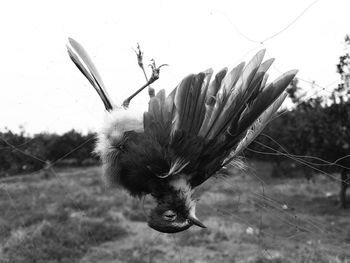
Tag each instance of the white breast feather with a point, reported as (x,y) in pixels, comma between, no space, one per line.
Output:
(114,125)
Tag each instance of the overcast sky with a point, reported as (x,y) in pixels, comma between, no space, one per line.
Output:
(42,90)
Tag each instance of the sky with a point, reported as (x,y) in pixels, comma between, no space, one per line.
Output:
(42,90)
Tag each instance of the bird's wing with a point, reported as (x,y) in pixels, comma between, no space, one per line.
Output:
(203,123)
(82,60)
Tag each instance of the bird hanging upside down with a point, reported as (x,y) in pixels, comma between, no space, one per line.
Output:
(203,125)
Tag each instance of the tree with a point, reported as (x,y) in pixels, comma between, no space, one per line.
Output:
(316,128)
(340,98)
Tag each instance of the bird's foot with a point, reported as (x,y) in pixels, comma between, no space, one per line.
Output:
(155,70)
(139,55)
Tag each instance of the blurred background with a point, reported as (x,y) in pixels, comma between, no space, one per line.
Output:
(290,205)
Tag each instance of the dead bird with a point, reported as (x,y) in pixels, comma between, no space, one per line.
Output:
(184,138)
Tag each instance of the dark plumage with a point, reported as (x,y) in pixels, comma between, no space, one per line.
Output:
(186,137)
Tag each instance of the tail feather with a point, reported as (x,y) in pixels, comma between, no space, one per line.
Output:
(82,60)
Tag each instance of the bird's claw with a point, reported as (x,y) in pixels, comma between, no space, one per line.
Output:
(155,70)
(154,77)
(139,55)
(126,103)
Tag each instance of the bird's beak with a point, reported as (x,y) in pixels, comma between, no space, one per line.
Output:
(193,218)
(196,221)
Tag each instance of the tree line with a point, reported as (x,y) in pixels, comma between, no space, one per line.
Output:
(20,153)
(314,134)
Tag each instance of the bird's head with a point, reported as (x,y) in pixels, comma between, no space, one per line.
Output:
(175,212)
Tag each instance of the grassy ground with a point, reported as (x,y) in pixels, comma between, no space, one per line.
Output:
(251,217)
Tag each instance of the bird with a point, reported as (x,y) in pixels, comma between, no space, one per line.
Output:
(186,137)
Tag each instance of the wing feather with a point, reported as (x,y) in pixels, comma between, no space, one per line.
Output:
(259,124)
(203,124)
(268,95)
(226,87)
(238,90)
(210,101)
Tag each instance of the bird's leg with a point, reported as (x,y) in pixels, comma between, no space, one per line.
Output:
(153,78)
(139,55)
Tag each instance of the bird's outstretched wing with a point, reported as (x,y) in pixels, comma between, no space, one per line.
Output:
(204,124)
(82,60)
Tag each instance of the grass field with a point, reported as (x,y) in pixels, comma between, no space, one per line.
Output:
(251,217)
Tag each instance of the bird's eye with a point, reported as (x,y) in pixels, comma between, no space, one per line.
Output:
(169,215)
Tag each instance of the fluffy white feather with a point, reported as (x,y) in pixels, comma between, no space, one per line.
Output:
(113,127)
